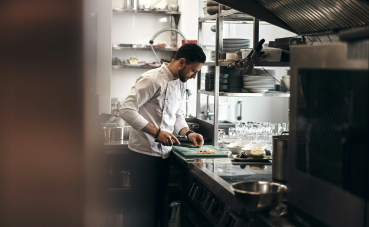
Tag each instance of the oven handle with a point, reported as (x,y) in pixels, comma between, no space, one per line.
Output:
(213,203)
(193,185)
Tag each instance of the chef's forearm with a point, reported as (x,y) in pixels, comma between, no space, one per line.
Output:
(150,129)
(184,131)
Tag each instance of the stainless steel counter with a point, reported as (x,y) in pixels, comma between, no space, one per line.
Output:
(116,147)
(217,175)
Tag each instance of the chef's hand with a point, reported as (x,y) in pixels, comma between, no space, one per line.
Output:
(196,139)
(167,138)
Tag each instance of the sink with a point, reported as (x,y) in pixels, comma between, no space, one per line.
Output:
(225,122)
(223,125)
(220,122)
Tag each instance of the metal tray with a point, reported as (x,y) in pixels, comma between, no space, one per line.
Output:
(251,159)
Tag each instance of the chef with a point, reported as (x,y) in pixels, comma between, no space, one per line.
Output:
(154,109)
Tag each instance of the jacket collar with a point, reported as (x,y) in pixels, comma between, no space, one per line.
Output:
(167,71)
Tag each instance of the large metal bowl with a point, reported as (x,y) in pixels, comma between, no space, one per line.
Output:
(260,195)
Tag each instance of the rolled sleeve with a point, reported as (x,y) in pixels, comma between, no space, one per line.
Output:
(180,120)
(140,93)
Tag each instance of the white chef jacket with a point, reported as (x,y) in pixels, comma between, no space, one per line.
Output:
(156,98)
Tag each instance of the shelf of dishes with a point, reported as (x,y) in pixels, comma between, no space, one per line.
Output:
(140,47)
(134,63)
(136,66)
(229,15)
(229,94)
(260,63)
(119,10)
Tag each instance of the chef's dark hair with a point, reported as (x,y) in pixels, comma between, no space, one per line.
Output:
(191,52)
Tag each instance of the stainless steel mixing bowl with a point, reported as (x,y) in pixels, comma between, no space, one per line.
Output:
(260,195)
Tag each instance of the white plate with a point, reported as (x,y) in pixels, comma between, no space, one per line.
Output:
(154,65)
(252,82)
(258,80)
(258,90)
(133,65)
(259,87)
(230,50)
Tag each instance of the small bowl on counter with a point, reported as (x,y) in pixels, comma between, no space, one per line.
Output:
(260,195)
(236,147)
(247,149)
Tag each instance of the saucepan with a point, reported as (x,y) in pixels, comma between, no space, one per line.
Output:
(260,195)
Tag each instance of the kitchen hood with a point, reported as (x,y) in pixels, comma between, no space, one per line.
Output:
(306,16)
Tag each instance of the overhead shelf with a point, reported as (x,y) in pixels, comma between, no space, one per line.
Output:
(229,94)
(261,63)
(135,67)
(116,47)
(118,10)
(212,63)
(228,15)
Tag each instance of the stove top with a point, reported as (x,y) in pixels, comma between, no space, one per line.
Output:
(237,173)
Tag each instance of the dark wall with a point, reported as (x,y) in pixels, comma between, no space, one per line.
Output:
(42,100)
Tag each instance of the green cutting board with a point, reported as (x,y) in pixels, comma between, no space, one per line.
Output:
(188,152)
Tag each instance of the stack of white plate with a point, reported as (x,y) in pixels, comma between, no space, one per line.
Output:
(233,45)
(262,72)
(259,81)
(258,84)
(212,55)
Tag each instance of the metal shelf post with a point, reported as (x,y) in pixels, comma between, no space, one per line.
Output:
(198,97)
(256,32)
(218,50)
(230,16)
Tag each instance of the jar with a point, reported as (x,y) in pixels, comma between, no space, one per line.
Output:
(107,132)
(120,133)
(113,134)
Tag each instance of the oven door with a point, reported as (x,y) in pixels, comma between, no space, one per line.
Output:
(328,153)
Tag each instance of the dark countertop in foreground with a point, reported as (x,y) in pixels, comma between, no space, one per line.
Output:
(218,174)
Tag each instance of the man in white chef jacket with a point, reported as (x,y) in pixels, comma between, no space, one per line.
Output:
(154,109)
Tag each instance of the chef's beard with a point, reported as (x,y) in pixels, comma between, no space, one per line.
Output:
(182,75)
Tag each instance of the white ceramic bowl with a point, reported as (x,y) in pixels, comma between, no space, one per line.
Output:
(247,149)
(236,147)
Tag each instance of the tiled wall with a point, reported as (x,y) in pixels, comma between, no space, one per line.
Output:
(128,28)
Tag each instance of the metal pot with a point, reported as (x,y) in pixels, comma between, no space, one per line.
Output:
(126,132)
(260,195)
(280,149)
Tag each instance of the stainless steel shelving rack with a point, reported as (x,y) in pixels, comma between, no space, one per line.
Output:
(174,19)
(232,17)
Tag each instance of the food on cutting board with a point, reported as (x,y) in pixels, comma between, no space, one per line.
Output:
(257,153)
(206,152)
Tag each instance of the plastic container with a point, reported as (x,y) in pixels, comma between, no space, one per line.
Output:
(245,52)
(274,54)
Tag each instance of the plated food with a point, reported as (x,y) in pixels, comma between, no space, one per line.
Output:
(236,148)
(254,155)
(257,153)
